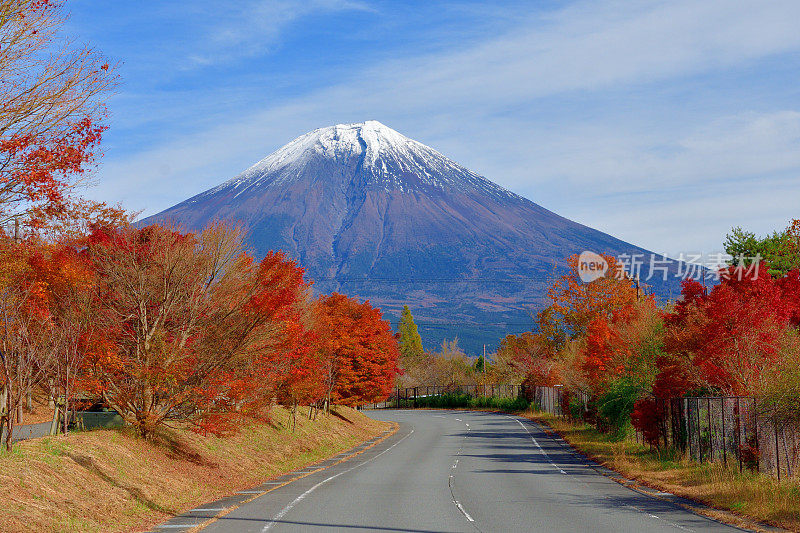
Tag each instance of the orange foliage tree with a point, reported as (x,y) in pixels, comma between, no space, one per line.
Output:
(50,108)
(191,319)
(358,349)
(576,303)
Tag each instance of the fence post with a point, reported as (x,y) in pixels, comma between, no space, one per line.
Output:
(710,433)
(724,441)
(758,442)
(777,450)
(699,429)
(689,428)
(739,431)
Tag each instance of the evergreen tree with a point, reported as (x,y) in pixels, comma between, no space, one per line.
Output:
(410,340)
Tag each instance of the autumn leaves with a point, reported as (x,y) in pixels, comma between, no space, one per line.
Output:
(624,349)
(162,325)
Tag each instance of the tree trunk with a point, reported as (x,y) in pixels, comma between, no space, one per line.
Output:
(9,420)
(66,399)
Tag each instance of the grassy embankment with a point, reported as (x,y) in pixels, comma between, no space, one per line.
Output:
(112,481)
(748,494)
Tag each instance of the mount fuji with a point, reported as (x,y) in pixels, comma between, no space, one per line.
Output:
(374,214)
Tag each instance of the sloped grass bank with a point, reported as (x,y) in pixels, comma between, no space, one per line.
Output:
(112,481)
(747,494)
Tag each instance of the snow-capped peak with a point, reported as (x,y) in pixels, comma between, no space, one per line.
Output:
(376,154)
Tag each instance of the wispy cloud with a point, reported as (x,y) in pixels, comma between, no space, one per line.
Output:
(250,28)
(567,108)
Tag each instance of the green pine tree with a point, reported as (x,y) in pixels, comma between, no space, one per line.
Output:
(410,340)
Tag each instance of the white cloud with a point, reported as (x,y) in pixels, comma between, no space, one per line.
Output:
(463,102)
(251,28)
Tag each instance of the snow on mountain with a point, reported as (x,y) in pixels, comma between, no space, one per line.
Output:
(389,159)
(372,213)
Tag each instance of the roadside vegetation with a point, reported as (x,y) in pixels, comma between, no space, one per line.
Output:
(112,480)
(456,400)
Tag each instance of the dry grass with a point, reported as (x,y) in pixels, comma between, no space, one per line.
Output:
(113,481)
(759,497)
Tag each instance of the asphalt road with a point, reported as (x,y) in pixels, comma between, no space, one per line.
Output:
(452,471)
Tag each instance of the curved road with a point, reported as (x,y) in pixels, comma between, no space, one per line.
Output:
(453,471)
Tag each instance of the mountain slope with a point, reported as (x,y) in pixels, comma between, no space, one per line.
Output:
(372,213)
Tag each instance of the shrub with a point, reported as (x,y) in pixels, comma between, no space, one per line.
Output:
(614,407)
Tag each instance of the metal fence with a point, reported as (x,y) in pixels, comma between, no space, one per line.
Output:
(408,397)
(545,399)
(726,429)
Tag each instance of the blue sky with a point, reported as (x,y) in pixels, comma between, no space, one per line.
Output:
(662,123)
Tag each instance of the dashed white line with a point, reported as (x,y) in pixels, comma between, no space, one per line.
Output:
(673,524)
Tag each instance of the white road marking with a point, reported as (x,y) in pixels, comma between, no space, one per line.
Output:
(217,509)
(673,524)
(300,498)
(464,512)
(537,445)
(250,492)
(560,470)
